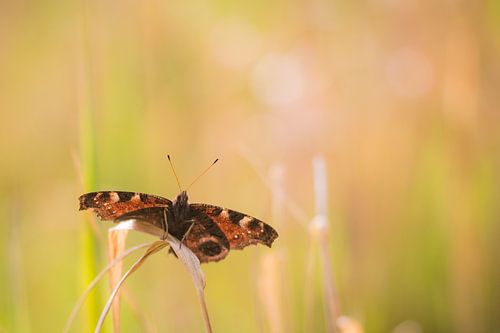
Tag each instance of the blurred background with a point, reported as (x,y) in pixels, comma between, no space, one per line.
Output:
(399,98)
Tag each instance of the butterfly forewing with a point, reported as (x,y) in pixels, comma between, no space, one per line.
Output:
(241,230)
(110,205)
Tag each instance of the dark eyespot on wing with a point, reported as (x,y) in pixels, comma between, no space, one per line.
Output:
(210,248)
(207,241)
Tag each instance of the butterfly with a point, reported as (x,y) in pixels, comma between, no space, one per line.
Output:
(208,231)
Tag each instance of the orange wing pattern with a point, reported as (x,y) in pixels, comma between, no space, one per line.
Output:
(241,230)
(110,205)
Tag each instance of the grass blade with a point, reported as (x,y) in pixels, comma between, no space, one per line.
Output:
(319,230)
(155,247)
(116,246)
(92,284)
(270,282)
(89,243)
(192,264)
(187,257)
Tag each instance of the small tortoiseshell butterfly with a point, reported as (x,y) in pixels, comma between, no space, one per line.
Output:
(209,231)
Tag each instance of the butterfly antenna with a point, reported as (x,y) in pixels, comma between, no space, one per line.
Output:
(175,174)
(204,172)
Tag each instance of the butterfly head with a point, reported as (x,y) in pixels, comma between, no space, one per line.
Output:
(180,206)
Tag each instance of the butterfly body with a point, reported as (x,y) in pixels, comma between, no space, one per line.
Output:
(209,231)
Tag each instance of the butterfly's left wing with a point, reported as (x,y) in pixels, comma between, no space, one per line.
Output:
(241,230)
(110,205)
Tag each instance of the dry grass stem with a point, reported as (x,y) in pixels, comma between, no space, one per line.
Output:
(92,284)
(319,231)
(155,247)
(192,264)
(187,257)
(116,246)
(147,326)
(269,286)
(308,288)
(16,276)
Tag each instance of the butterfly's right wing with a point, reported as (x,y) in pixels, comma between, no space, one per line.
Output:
(204,237)
(240,229)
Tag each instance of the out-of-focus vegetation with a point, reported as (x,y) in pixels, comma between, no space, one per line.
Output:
(399,97)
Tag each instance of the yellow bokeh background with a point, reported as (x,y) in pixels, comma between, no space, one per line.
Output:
(399,98)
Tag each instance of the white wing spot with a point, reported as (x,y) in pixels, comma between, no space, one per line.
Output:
(114,197)
(244,221)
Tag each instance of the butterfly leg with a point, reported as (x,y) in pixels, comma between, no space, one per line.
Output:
(187,233)
(165,225)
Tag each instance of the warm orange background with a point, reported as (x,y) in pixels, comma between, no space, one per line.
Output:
(399,97)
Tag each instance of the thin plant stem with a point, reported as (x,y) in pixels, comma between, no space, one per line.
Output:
(92,284)
(320,229)
(204,310)
(116,246)
(88,242)
(309,289)
(183,253)
(155,247)
(147,325)
(17,285)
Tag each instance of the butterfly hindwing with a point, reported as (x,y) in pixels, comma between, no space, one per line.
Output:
(241,230)
(152,215)
(205,238)
(110,205)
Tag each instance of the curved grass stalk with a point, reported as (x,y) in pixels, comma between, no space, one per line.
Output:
(319,231)
(92,284)
(187,257)
(155,247)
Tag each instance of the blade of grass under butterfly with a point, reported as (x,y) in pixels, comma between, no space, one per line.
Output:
(155,247)
(185,255)
(92,284)
(192,264)
(116,246)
